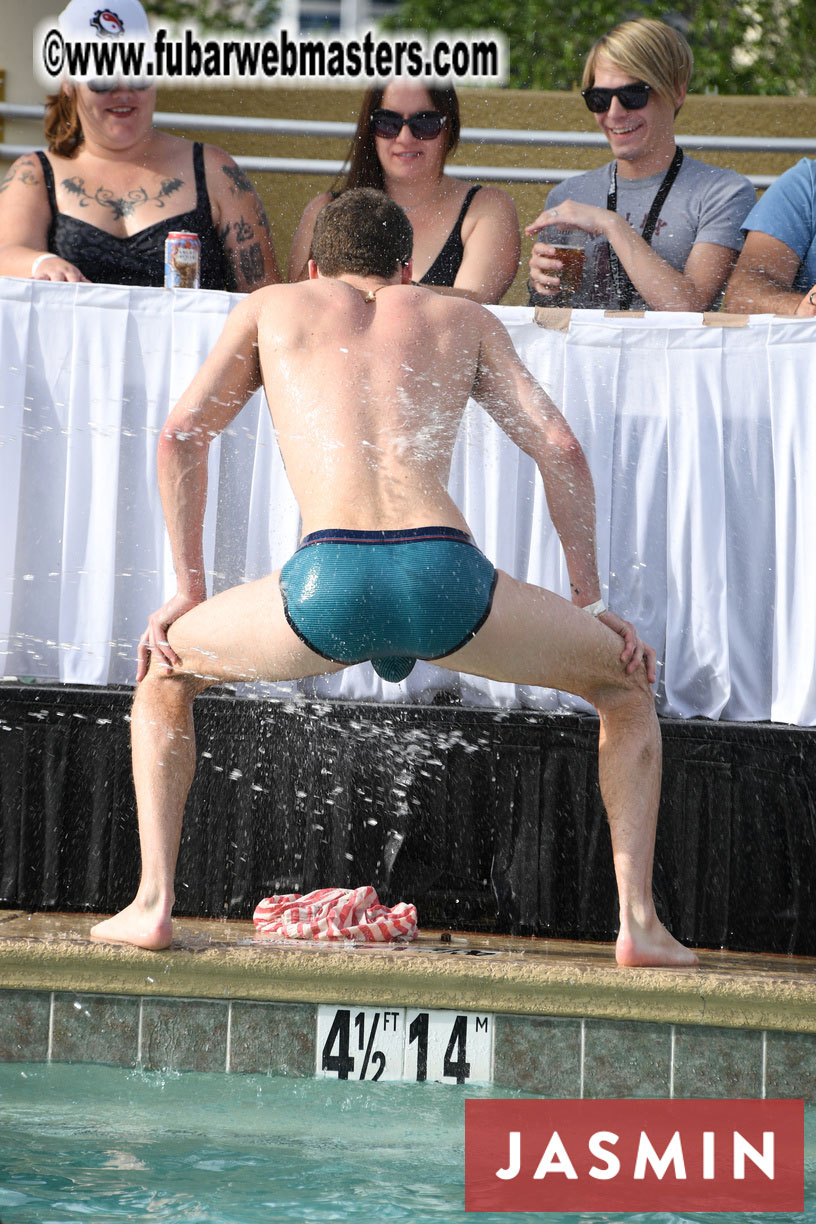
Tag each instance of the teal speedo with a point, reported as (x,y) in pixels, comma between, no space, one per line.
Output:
(388,596)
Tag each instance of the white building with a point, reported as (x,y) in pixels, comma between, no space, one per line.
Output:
(344,16)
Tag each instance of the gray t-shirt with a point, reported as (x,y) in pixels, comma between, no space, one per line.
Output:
(705,204)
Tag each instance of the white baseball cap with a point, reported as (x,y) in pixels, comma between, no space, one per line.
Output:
(84,19)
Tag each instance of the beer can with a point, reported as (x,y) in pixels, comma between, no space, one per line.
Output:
(182,260)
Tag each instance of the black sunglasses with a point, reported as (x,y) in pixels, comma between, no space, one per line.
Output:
(632,97)
(424,125)
(110,85)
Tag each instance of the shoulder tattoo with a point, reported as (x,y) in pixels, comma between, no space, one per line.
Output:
(23,172)
(240,182)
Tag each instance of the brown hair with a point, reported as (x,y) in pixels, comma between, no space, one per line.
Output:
(63,131)
(362,232)
(364,165)
(648,50)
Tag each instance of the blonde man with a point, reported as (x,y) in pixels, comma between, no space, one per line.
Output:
(664,228)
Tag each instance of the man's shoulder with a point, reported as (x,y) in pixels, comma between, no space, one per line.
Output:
(275,295)
(695,171)
(798,181)
(582,187)
(268,300)
(456,311)
(788,204)
(714,194)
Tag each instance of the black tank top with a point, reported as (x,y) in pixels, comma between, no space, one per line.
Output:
(139,259)
(449,260)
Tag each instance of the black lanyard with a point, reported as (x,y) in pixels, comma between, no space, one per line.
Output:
(623,286)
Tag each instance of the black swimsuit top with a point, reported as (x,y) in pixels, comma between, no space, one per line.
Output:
(139,259)
(449,260)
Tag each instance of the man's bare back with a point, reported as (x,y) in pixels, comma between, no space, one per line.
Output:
(366,398)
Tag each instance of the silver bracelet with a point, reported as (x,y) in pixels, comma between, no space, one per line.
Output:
(41,259)
(595,609)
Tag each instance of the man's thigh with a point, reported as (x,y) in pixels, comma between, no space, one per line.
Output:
(533,636)
(243,634)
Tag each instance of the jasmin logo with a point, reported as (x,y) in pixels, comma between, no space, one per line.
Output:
(105,21)
(634,1155)
(671,1162)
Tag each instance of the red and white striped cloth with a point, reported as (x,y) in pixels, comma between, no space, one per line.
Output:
(335,913)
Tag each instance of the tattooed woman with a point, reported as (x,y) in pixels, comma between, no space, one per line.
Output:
(100,203)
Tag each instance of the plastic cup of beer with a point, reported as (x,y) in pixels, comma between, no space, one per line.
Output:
(570,248)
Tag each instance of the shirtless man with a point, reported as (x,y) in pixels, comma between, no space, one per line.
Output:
(367,378)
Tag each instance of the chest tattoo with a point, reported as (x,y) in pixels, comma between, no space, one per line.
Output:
(121,206)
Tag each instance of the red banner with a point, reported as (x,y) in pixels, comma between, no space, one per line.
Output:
(634,1155)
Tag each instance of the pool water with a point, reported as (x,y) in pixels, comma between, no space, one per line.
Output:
(110,1146)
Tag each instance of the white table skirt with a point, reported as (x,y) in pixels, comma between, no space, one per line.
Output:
(700,440)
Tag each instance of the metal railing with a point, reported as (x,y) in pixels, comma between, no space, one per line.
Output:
(469,136)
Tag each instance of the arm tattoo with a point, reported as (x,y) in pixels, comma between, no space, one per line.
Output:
(252,263)
(240,181)
(243,231)
(24,172)
(122,206)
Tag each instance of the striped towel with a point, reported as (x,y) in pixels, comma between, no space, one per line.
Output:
(335,913)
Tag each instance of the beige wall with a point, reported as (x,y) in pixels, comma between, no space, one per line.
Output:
(286,195)
(19,20)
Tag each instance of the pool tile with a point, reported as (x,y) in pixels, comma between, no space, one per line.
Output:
(538,1054)
(278,1038)
(717,1062)
(96,1028)
(790,1065)
(24,1019)
(184,1035)
(626,1059)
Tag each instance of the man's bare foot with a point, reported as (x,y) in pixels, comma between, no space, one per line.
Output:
(651,945)
(137,926)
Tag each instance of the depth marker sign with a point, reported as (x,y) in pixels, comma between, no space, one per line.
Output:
(634,1155)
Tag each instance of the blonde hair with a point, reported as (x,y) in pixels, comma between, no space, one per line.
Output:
(648,50)
(63,131)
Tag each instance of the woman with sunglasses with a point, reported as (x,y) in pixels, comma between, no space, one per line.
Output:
(99,205)
(466,237)
(664,227)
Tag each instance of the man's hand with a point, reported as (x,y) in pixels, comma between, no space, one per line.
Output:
(634,651)
(571,215)
(154,639)
(545,270)
(807,306)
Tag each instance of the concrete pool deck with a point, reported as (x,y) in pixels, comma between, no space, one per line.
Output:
(566,1020)
(210,959)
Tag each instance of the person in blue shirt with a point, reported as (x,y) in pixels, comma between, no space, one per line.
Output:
(776,271)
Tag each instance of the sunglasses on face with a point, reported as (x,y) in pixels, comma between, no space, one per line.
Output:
(423,125)
(631,97)
(110,86)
